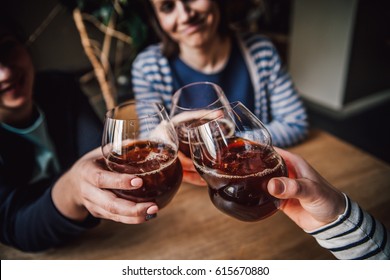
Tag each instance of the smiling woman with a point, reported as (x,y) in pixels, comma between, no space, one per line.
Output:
(166,14)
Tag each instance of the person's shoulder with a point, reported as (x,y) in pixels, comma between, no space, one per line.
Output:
(152,53)
(256,41)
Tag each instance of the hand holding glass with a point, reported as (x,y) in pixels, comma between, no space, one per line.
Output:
(233,153)
(145,146)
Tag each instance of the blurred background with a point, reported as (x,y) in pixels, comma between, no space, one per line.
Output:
(337,52)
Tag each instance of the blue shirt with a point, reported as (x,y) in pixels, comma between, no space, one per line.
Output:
(46,159)
(234,78)
(275,101)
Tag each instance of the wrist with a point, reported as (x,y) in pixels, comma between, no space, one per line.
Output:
(339,209)
(337,217)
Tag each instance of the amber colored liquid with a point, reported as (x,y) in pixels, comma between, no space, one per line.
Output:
(157,164)
(237,180)
(182,135)
(182,132)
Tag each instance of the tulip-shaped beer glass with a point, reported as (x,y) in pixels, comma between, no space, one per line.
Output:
(145,146)
(236,161)
(190,103)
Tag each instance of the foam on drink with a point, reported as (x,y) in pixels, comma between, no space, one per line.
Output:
(156,163)
(237,178)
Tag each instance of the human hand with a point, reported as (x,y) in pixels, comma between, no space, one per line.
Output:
(84,189)
(190,175)
(308,199)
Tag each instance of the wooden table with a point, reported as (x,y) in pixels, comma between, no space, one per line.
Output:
(191,228)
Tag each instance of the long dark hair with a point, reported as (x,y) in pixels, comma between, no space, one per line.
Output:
(169,47)
(12,27)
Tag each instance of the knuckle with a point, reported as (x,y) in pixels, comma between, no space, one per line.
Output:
(110,207)
(99,179)
(139,211)
(122,181)
(295,187)
(133,220)
(84,194)
(116,218)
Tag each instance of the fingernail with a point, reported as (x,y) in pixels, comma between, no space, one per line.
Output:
(279,186)
(150,216)
(136,182)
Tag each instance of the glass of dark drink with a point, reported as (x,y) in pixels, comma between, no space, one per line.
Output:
(145,145)
(236,161)
(190,103)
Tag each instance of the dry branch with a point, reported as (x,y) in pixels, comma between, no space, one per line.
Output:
(108,90)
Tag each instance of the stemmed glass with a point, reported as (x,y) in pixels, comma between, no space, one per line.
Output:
(190,103)
(146,146)
(237,162)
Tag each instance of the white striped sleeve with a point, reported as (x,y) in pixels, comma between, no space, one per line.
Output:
(354,235)
(279,104)
(144,73)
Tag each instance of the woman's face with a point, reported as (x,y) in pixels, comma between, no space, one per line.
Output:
(16,72)
(190,23)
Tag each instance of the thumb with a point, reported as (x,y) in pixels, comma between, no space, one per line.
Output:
(285,188)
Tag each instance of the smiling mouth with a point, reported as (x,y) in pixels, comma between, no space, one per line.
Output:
(194,25)
(11,82)
(7,86)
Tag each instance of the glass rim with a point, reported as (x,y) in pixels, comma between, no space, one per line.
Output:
(232,106)
(231,109)
(157,107)
(175,94)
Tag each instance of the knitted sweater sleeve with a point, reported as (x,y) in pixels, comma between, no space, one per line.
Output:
(151,79)
(277,102)
(354,235)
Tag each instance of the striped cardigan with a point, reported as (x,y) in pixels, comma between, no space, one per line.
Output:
(354,235)
(276,102)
